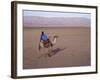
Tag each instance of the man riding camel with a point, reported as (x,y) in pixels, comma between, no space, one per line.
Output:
(45,40)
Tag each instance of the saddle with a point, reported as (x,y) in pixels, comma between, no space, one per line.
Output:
(47,43)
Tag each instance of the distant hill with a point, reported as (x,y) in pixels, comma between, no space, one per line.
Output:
(35,21)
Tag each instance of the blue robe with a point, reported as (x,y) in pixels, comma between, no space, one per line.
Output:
(44,37)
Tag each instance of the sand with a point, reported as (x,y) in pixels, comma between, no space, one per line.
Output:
(71,50)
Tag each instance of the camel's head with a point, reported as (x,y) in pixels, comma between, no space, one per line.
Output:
(56,36)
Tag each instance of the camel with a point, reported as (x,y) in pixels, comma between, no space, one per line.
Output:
(48,44)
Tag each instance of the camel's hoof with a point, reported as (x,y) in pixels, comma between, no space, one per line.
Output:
(49,55)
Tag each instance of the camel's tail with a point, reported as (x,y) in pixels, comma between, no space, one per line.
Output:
(39,47)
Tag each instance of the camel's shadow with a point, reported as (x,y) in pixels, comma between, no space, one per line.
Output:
(51,53)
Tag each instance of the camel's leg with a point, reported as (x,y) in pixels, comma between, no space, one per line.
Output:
(50,49)
(50,52)
(41,53)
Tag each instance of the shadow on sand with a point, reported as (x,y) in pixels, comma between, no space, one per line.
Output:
(52,52)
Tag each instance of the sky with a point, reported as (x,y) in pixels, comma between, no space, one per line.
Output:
(55,14)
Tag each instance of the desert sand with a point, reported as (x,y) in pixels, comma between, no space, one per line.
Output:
(72,48)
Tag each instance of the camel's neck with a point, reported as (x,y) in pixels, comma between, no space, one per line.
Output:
(54,40)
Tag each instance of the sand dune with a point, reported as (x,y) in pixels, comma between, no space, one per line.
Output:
(36,21)
(72,48)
